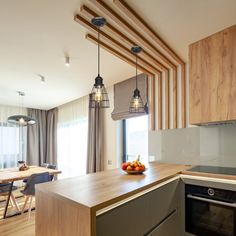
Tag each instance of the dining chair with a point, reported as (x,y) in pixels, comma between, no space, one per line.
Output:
(52,167)
(4,191)
(29,190)
(46,165)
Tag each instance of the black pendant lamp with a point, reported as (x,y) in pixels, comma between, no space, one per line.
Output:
(136,104)
(98,98)
(21,120)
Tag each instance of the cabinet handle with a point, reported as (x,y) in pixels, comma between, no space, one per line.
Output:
(211,201)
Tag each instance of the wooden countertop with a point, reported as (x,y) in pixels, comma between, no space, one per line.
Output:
(102,189)
(209,175)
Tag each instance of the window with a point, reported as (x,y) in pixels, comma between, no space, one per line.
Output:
(72,147)
(72,131)
(13,145)
(136,138)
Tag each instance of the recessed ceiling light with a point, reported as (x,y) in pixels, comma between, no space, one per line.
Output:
(42,79)
(67,61)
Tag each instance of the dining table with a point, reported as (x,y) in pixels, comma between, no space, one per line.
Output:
(10,175)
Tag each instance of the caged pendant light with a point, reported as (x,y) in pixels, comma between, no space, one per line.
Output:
(21,120)
(98,98)
(136,104)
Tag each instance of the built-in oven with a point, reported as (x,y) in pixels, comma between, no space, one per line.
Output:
(210,211)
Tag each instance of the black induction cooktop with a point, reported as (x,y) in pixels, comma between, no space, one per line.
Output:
(214,170)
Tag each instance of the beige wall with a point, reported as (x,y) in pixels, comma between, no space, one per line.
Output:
(195,146)
(112,137)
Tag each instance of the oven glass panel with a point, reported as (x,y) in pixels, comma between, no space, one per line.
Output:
(209,219)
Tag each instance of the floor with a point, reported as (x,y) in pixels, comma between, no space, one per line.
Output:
(17,225)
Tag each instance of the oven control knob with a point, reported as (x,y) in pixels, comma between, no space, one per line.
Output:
(211,192)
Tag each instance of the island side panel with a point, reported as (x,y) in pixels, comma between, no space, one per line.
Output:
(56,216)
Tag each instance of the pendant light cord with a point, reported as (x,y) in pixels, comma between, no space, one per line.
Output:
(20,102)
(136,71)
(98,52)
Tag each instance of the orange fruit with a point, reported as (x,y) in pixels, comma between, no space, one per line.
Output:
(129,168)
(142,168)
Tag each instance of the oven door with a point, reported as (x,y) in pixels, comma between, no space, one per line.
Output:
(208,217)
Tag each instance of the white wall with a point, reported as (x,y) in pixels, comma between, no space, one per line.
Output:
(196,145)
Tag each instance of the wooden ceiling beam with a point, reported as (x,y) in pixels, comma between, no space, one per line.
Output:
(88,14)
(116,53)
(139,22)
(107,12)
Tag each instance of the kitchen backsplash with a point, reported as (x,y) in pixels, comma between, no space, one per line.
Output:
(196,145)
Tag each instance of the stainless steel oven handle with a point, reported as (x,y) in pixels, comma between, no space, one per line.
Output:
(211,201)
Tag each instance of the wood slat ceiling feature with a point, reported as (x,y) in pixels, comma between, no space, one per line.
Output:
(88,14)
(156,58)
(157,40)
(113,43)
(109,13)
(127,51)
(113,51)
(142,25)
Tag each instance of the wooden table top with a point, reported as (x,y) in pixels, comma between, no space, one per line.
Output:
(102,189)
(13,174)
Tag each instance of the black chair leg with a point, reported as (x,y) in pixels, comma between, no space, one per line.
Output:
(8,200)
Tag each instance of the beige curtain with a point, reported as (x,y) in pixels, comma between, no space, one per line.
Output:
(51,136)
(42,137)
(95,160)
(123,92)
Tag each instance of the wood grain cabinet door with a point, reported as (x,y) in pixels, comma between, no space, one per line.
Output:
(212,78)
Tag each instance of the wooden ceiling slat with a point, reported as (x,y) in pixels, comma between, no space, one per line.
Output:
(167,99)
(175,95)
(107,12)
(183,97)
(139,22)
(160,100)
(152,102)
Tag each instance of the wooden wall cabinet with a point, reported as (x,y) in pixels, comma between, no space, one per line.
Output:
(212,90)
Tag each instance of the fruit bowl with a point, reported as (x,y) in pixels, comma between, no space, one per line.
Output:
(135,172)
(134,167)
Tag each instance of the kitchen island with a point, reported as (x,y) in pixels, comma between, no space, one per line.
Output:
(88,205)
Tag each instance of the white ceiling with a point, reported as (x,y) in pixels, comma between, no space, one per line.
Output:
(182,22)
(35,34)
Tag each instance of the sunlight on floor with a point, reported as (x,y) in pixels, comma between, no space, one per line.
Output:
(17,225)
